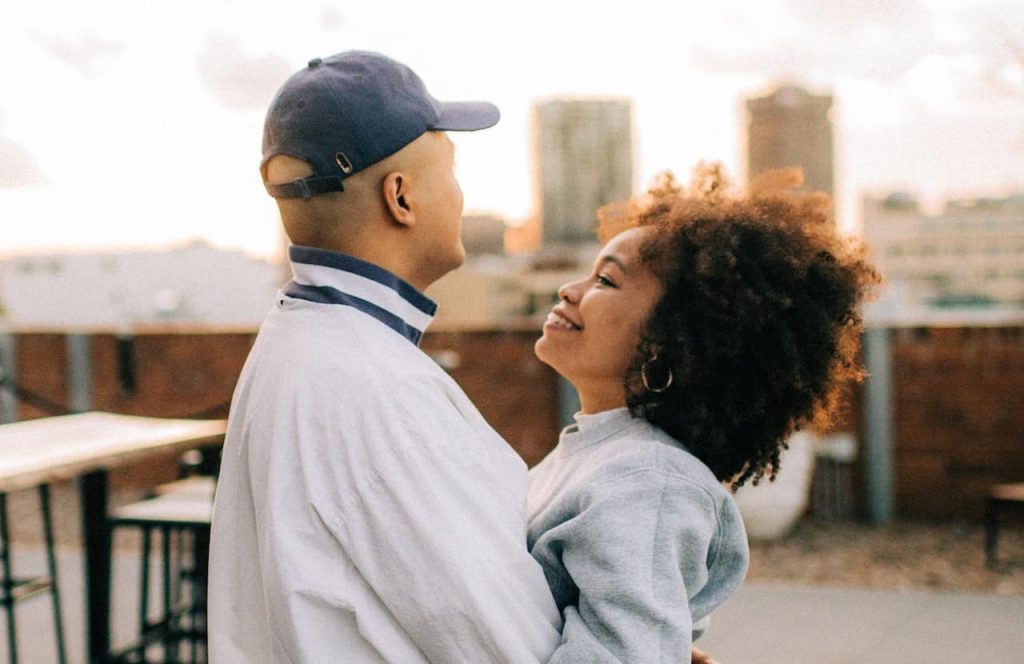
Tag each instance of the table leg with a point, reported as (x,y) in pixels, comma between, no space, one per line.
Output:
(8,580)
(92,489)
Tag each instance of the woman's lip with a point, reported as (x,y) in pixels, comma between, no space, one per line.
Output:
(558,311)
(554,321)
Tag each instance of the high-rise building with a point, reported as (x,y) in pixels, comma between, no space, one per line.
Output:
(583,160)
(791,127)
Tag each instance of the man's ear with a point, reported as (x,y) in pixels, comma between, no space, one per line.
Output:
(396,198)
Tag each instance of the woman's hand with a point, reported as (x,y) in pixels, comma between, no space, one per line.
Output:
(698,656)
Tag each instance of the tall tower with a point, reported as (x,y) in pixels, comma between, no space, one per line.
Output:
(791,127)
(583,160)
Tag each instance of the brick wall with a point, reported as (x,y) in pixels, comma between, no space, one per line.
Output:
(958,399)
(42,367)
(514,391)
(958,417)
(176,375)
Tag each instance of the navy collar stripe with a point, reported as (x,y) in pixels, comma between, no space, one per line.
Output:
(328,295)
(331,259)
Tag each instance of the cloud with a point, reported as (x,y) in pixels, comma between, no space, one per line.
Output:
(843,17)
(18,168)
(331,19)
(240,81)
(998,39)
(86,52)
(877,39)
(980,45)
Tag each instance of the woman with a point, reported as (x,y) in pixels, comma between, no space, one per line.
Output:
(711,327)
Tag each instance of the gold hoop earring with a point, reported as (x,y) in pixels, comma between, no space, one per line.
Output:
(647,382)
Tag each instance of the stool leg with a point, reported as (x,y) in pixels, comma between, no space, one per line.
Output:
(51,560)
(187,575)
(144,592)
(179,591)
(170,644)
(202,565)
(991,532)
(8,581)
(181,569)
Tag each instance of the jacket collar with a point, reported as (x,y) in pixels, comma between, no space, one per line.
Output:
(329,277)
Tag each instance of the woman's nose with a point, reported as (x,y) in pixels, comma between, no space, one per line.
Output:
(569,292)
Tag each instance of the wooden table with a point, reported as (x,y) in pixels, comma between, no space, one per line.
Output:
(84,447)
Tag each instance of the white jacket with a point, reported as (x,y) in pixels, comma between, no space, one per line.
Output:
(365,511)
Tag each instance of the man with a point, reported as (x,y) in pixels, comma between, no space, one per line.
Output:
(365,511)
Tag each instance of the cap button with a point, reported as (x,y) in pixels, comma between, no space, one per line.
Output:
(315,62)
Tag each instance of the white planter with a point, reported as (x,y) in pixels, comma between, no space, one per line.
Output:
(771,509)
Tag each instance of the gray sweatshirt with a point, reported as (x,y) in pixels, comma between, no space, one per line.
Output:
(638,540)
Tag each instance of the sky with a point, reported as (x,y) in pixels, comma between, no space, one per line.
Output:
(126,123)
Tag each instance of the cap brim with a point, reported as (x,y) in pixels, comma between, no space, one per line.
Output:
(466,116)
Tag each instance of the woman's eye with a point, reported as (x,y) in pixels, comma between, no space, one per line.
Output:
(605,281)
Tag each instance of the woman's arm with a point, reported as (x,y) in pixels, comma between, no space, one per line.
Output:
(637,551)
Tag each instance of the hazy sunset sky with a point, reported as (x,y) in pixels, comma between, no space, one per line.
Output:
(126,123)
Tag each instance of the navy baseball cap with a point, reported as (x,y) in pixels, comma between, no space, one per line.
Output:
(348,111)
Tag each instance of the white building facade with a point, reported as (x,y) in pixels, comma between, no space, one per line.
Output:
(191,285)
(968,256)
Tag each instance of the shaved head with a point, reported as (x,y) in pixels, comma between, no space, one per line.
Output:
(324,220)
(403,212)
(331,220)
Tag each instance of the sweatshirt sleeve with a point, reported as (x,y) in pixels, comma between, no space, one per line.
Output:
(637,551)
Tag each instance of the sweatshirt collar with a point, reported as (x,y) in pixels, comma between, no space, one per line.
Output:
(592,428)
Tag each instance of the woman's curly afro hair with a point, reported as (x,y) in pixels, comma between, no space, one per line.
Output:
(757,331)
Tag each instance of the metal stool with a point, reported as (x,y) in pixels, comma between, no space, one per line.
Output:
(181,512)
(15,590)
(1001,498)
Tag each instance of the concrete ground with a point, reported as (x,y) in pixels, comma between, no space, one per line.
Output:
(768,623)
(764,623)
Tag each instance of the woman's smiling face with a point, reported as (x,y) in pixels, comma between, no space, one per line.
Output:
(591,335)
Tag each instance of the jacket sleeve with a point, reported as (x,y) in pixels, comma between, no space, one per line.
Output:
(637,551)
(434,520)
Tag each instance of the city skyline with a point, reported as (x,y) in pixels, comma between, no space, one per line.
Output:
(130,125)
